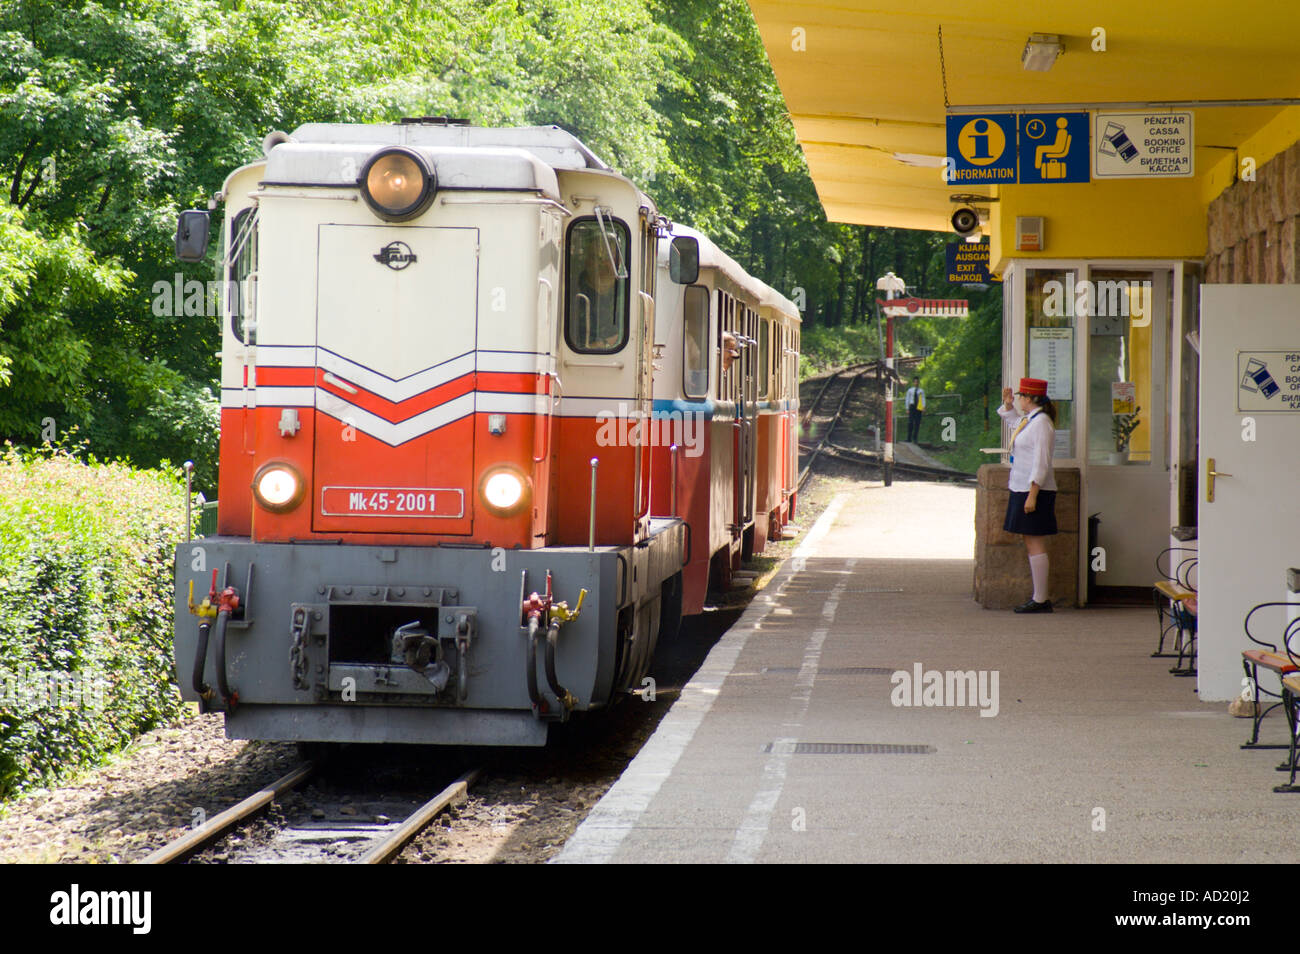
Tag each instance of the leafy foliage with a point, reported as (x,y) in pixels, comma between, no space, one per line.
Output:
(86,552)
(115,114)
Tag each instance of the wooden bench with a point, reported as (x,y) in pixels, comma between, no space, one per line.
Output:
(1281,662)
(1171,594)
(1290,697)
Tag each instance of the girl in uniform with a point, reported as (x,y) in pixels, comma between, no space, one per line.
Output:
(1031,511)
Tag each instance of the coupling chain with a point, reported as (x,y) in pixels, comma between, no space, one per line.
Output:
(298,648)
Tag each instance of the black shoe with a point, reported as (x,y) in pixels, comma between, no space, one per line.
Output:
(1030,606)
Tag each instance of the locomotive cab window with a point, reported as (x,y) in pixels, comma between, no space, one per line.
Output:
(596,286)
(240,289)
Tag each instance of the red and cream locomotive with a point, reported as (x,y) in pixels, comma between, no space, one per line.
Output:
(448,511)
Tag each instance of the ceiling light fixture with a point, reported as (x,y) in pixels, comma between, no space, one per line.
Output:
(1041,51)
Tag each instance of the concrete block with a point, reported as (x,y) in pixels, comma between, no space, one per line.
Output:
(1067,479)
(993,475)
(1067,511)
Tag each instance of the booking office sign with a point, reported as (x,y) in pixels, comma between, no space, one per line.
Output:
(1268,381)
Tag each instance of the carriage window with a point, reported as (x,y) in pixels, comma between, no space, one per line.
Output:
(764,359)
(243,263)
(595,296)
(695,346)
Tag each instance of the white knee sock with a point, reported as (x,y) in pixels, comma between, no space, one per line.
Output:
(1038,569)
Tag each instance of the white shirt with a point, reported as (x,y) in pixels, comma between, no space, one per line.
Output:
(1031,454)
(912,396)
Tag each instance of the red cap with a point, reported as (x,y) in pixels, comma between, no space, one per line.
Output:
(1033,387)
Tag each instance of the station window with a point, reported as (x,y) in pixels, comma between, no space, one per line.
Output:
(1121,368)
(695,346)
(1050,344)
(596,286)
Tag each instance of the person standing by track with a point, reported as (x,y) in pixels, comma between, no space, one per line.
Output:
(1031,509)
(915,408)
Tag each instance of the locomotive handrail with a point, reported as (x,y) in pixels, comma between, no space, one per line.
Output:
(550,417)
(303,195)
(643,472)
(619,365)
(461,200)
(591,526)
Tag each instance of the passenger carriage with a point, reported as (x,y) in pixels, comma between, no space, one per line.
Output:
(726,393)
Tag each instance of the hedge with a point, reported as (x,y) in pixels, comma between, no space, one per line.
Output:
(86,557)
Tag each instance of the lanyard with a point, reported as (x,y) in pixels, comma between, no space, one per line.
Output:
(1024,422)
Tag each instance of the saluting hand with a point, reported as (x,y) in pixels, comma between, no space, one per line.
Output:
(1007,397)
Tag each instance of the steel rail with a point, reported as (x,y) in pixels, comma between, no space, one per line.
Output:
(865,368)
(852,453)
(417,821)
(221,824)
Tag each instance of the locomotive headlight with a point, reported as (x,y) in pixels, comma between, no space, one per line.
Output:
(504,491)
(398,184)
(278,487)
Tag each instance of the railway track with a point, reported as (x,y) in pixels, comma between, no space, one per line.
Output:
(877,460)
(372,839)
(837,388)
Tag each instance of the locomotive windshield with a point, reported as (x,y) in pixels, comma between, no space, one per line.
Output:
(597,288)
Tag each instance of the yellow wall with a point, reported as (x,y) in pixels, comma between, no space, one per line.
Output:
(1133,218)
(1275,136)
(1126,218)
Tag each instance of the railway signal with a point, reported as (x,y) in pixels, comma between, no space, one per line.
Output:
(910,307)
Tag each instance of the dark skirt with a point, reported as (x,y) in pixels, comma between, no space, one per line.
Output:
(1042,522)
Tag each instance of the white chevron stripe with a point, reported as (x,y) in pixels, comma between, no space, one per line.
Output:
(508,361)
(389,389)
(394,434)
(487,402)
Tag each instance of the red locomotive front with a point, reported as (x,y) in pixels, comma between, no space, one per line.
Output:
(429,533)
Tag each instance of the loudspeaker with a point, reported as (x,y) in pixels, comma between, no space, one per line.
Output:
(965,221)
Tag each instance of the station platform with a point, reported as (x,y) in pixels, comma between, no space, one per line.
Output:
(787,745)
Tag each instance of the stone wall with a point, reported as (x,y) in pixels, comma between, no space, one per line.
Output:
(1253,226)
(1002,578)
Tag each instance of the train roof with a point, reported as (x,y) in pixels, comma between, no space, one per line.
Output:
(335,163)
(551,144)
(713,257)
(775,300)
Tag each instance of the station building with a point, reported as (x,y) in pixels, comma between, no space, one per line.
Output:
(1136,177)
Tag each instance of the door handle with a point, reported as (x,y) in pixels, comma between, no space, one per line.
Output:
(1210,474)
